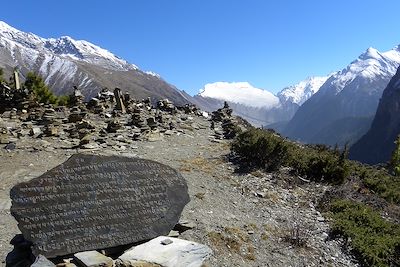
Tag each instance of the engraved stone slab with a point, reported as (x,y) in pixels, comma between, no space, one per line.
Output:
(92,202)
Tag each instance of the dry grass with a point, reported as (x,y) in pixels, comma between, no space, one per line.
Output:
(235,240)
(201,164)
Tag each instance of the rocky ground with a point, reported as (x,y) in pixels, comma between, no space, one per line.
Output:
(252,219)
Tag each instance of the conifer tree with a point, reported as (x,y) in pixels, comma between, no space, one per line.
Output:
(35,84)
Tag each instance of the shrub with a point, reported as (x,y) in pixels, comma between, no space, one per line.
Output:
(375,241)
(379,181)
(36,85)
(266,149)
(259,148)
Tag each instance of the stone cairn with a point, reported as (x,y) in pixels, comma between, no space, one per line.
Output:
(110,119)
(224,124)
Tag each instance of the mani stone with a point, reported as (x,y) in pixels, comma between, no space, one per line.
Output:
(94,202)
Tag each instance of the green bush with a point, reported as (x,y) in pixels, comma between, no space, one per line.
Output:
(266,149)
(380,181)
(375,241)
(36,85)
(259,148)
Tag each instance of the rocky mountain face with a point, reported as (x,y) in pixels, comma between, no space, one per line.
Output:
(342,110)
(377,145)
(65,62)
(259,107)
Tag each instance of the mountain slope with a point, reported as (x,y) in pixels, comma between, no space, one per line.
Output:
(259,107)
(301,92)
(377,144)
(65,62)
(349,94)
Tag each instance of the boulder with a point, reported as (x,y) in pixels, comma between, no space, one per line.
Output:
(178,253)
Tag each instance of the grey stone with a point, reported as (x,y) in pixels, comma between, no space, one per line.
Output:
(173,233)
(93,259)
(180,253)
(35,131)
(166,242)
(93,202)
(11,146)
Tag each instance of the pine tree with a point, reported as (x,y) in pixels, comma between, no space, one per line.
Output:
(35,84)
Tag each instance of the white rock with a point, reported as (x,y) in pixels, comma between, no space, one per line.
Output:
(42,261)
(179,253)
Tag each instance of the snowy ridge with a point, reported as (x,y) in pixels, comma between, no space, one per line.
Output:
(64,47)
(240,93)
(370,65)
(299,93)
(153,74)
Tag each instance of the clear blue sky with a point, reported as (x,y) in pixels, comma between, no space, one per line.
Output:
(269,43)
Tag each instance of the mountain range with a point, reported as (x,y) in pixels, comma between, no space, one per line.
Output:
(65,62)
(260,107)
(333,109)
(343,108)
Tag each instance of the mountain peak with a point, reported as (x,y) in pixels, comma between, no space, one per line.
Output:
(303,90)
(370,53)
(5,27)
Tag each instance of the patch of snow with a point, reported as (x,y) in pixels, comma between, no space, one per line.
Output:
(153,74)
(302,91)
(241,93)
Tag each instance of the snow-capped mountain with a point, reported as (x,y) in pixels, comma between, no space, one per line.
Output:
(301,92)
(65,62)
(342,110)
(240,93)
(260,107)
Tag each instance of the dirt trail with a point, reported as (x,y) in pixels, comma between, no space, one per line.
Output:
(247,219)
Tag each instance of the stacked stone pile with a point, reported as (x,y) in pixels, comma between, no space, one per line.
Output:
(225,125)
(110,119)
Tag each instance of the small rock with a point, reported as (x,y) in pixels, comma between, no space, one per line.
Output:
(35,131)
(261,194)
(320,219)
(166,242)
(93,259)
(10,146)
(173,233)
